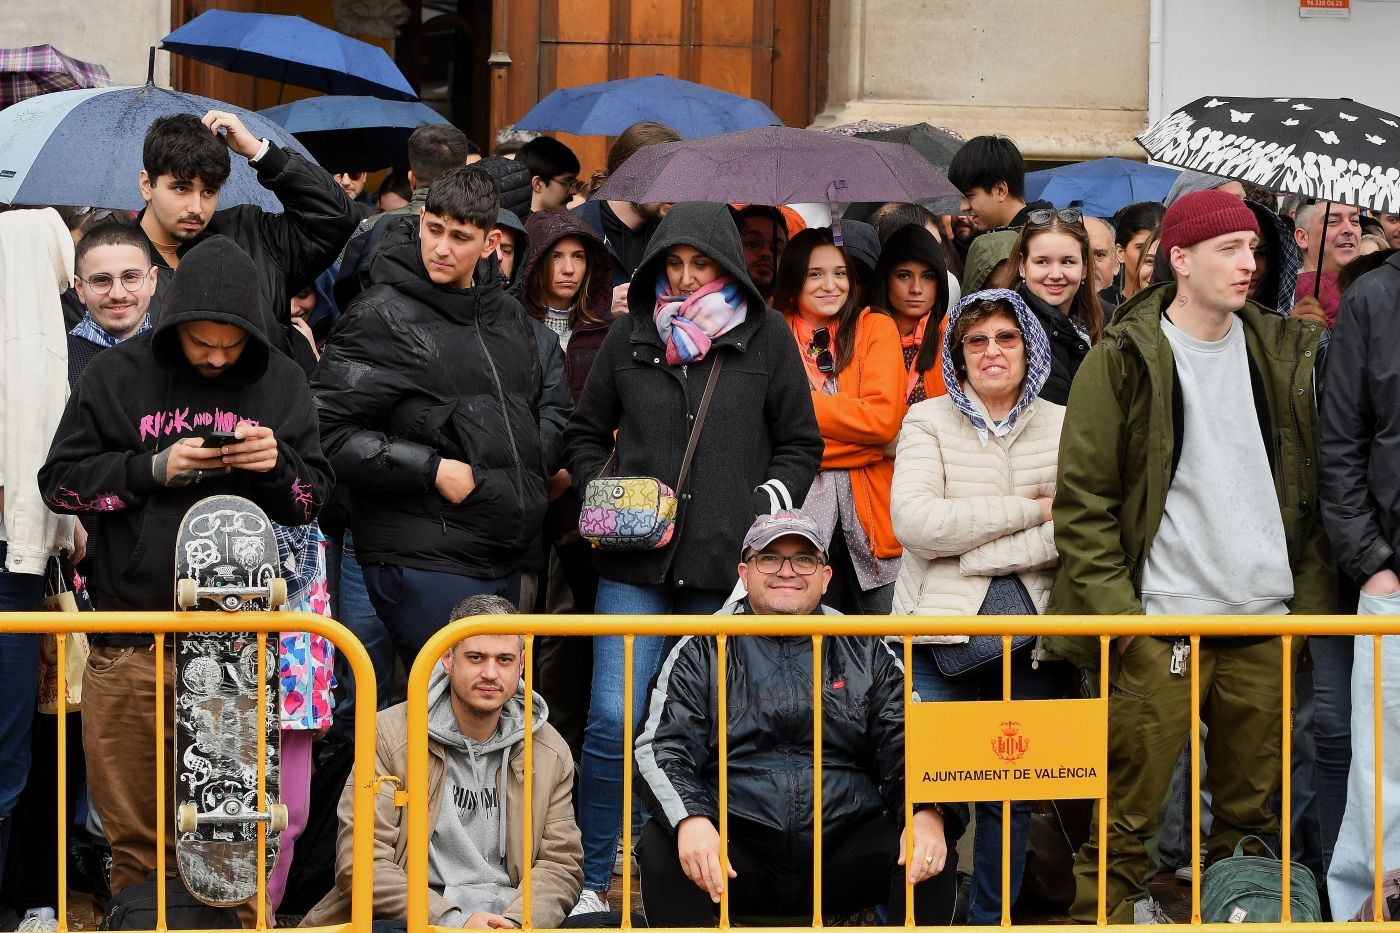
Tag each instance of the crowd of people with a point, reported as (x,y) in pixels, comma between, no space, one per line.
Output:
(1183,409)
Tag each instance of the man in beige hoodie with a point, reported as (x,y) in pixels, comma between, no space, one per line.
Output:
(476,729)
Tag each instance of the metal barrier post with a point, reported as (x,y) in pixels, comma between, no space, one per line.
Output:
(722,702)
(817,680)
(1286,759)
(528,804)
(61,662)
(1103,803)
(158,643)
(1195,853)
(908,642)
(628,701)
(1377,723)
(1006,804)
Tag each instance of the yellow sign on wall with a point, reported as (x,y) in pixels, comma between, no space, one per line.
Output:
(1017,750)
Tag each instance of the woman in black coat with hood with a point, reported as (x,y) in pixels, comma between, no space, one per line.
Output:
(691,302)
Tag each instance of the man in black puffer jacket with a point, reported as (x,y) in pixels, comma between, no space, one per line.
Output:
(441,417)
(785,572)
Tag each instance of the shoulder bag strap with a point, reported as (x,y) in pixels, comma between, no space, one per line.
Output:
(699,421)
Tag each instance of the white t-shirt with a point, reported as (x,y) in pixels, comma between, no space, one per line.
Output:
(1220,548)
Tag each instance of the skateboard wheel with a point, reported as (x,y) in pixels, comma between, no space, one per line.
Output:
(277,818)
(276,593)
(186,593)
(187,816)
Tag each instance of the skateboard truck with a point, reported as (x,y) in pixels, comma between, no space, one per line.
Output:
(188,818)
(188,593)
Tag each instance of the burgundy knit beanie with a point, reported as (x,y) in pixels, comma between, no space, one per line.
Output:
(1202,215)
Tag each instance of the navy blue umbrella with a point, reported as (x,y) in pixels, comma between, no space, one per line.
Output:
(1101,187)
(609,107)
(291,50)
(83,147)
(354,134)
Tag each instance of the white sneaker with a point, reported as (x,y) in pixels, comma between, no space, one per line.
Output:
(590,902)
(1148,910)
(38,919)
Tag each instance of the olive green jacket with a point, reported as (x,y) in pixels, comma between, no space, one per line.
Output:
(1116,462)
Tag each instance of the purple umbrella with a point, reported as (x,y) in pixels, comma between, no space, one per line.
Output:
(776,165)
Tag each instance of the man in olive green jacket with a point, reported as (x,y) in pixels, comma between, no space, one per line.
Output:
(1188,484)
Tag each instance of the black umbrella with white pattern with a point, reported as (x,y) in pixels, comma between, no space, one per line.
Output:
(1328,149)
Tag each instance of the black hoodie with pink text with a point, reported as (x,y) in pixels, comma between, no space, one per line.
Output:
(139,398)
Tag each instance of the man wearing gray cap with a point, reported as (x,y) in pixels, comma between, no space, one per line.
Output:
(783,566)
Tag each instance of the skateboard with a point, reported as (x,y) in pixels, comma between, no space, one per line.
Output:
(225,561)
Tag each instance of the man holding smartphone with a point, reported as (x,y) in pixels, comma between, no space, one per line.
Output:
(200,405)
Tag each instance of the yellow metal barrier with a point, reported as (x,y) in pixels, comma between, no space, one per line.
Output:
(264,623)
(1102,628)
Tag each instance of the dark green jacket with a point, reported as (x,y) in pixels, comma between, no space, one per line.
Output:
(1116,462)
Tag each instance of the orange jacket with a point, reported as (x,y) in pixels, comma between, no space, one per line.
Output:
(860,421)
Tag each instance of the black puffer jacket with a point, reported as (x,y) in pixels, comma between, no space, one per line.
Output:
(1067,347)
(1359,437)
(761,430)
(770,738)
(417,372)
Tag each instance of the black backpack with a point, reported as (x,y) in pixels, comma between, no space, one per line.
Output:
(134,908)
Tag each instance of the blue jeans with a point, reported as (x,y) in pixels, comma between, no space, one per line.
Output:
(19,686)
(1049,680)
(600,771)
(353,609)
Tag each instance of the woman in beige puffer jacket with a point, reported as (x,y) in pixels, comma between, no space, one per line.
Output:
(974,480)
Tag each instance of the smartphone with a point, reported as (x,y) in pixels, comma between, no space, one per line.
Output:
(220,439)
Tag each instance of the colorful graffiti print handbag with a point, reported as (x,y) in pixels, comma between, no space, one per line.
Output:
(638,513)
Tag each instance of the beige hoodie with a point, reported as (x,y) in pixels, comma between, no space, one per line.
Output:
(36,267)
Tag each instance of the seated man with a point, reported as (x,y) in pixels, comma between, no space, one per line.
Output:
(784,567)
(476,721)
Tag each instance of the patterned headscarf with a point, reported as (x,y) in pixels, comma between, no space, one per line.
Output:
(1037,360)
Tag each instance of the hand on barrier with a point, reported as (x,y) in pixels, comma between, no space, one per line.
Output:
(930,846)
(484,921)
(697,841)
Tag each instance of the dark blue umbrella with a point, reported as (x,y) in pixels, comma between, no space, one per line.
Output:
(609,107)
(84,147)
(354,134)
(1101,187)
(291,50)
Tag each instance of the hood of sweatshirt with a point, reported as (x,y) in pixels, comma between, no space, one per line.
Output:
(911,243)
(702,225)
(546,228)
(507,220)
(1037,347)
(216,282)
(1284,257)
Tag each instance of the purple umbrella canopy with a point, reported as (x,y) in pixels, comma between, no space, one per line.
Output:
(776,165)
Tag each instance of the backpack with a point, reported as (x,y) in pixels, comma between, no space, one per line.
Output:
(134,908)
(1249,889)
(1390,906)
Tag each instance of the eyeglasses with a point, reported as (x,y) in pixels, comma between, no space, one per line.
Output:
(1070,215)
(101,283)
(571,185)
(804,565)
(1006,339)
(820,347)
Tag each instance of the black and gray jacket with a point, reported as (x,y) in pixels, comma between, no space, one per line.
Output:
(770,738)
(760,447)
(416,372)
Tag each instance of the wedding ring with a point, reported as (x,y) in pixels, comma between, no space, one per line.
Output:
(928,859)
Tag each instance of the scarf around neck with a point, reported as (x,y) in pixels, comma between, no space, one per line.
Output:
(689,324)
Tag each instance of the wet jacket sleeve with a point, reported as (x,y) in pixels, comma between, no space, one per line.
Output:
(96,462)
(1093,574)
(293,491)
(588,438)
(354,392)
(675,744)
(556,399)
(1347,432)
(317,220)
(792,424)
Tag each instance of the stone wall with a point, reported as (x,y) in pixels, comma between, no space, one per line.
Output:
(115,34)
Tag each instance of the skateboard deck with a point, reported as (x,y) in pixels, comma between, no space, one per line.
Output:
(225,561)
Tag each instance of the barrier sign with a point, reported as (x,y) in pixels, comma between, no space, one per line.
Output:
(1017,750)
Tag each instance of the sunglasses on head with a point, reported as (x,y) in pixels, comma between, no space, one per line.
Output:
(1070,215)
(821,344)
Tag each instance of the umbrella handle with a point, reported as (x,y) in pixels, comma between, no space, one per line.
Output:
(1321,249)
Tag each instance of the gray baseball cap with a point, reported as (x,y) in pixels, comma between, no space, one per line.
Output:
(768,528)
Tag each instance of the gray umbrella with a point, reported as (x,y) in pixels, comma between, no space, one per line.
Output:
(776,165)
(933,143)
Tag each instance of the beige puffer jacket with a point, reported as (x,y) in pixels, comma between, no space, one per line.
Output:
(966,511)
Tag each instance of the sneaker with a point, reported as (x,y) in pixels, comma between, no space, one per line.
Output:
(591,902)
(617,863)
(1183,874)
(1148,910)
(38,918)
